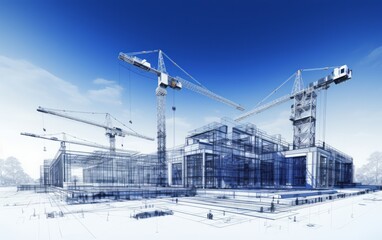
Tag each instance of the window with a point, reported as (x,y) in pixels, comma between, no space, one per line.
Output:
(342,70)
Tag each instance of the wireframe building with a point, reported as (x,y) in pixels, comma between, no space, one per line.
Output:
(243,156)
(218,155)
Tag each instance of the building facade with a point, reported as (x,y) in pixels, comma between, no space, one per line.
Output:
(243,156)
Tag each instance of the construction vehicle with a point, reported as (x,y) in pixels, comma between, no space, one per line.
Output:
(303,111)
(165,80)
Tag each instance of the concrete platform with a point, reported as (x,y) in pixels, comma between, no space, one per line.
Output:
(24,215)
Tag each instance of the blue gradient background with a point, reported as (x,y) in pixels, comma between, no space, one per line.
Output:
(239,49)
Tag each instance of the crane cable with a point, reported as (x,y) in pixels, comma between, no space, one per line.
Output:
(81,139)
(317,69)
(173,117)
(73,111)
(184,71)
(130,121)
(44,130)
(324,116)
(129,82)
(119,83)
(302,70)
(275,90)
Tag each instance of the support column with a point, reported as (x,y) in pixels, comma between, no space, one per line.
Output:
(169,173)
(290,162)
(184,173)
(311,170)
(204,170)
(276,172)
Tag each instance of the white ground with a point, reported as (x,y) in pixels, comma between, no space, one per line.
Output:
(23,216)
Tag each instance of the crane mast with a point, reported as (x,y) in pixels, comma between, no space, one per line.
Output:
(161,93)
(303,109)
(164,81)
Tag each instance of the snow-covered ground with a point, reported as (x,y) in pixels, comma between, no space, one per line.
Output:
(23,215)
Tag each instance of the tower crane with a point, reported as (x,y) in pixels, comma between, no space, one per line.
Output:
(165,80)
(63,141)
(111,132)
(303,110)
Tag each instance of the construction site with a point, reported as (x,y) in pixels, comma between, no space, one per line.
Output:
(190,119)
(227,173)
(228,155)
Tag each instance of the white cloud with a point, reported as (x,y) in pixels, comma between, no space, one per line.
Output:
(38,83)
(101,81)
(182,127)
(21,76)
(110,94)
(25,86)
(179,122)
(279,125)
(210,119)
(374,58)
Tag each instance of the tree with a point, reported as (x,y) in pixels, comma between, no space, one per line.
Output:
(371,172)
(2,172)
(12,173)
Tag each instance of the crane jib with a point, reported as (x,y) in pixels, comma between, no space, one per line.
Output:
(339,75)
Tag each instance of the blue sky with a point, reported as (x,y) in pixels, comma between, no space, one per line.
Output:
(53,52)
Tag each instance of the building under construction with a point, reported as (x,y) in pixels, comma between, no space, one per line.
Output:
(243,156)
(225,155)
(215,156)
